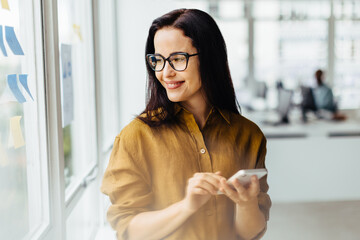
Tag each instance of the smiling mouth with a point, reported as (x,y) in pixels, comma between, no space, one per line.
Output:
(174,84)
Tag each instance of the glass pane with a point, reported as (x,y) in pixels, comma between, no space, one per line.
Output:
(23,185)
(236,38)
(231,10)
(347,9)
(77,87)
(347,71)
(289,51)
(266,9)
(82,222)
(108,71)
(291,10)
(200,4)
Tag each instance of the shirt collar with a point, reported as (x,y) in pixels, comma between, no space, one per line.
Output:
(225,114)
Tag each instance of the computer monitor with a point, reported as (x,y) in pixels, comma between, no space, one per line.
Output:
(260,89)
(285,97)
(308,101)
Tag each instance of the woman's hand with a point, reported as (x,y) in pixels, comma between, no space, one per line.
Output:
(200,188)
(241,195)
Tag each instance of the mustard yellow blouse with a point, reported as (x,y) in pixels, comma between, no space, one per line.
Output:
(149,169)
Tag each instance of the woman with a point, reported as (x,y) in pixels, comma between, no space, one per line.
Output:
(169,163)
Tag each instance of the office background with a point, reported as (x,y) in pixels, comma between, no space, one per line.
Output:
(73,74)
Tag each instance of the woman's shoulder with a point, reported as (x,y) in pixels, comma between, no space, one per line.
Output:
(243,124)
(134,129)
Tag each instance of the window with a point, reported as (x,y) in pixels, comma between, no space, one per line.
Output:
(77,89)
(238,51)
(78,101)
(288,40)
(45,195)
(290,43)
(230,17)
(24,208)
(347,54)
(290,51)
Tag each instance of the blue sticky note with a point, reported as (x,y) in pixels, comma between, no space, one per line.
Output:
(11,79)
(24,83)
(2,46)
(13,41)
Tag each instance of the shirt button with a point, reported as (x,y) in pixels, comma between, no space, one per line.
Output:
(208,212)
(202,151)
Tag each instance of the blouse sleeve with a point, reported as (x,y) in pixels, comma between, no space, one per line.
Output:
(263,197)
(127,182)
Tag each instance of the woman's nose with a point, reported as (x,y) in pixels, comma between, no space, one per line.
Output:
(168,71)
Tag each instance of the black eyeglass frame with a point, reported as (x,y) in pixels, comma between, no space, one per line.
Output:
(168,59)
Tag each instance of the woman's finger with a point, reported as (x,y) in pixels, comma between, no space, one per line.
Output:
(229,191)
(254,187)
(211,178)
(204,184)
(199,191)
(242,192)
(239,187)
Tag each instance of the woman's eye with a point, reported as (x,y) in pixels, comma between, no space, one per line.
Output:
(178,59)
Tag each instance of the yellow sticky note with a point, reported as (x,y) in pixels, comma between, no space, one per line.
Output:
(16,138)
(5,4)
(77,31)
(3,156)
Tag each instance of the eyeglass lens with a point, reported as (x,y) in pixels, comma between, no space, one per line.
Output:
(177,61)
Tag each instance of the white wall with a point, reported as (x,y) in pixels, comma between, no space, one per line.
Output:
(314,169)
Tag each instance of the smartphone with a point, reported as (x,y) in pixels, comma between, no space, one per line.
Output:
(244,176)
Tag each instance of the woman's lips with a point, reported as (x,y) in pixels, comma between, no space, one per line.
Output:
(173,85)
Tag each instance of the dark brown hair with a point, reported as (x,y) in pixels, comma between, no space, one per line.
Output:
(319,77)
(214,69)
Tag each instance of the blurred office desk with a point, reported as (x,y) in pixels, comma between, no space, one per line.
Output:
(316,161)
(296,128)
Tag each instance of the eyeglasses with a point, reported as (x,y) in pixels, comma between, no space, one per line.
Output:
(178,61)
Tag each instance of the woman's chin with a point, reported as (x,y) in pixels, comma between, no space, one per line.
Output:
(175,98)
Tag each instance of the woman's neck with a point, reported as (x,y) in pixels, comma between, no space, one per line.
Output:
(200,112)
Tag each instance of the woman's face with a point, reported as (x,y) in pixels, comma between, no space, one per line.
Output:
(185,86)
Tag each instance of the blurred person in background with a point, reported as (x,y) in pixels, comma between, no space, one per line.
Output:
(324,99)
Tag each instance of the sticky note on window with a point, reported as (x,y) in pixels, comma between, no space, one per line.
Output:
(16,138)
(12,41)
(3,155)
(77,30)
(2,46)
(23,80)
(12,82)
(5,4)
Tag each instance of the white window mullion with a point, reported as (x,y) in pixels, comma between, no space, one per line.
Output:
(331,47)
(30,117)
(54,121)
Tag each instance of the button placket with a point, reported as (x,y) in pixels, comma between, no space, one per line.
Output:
(204,157)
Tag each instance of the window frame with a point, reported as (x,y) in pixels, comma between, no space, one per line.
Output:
(56,228)
(37,165)
(64,201)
